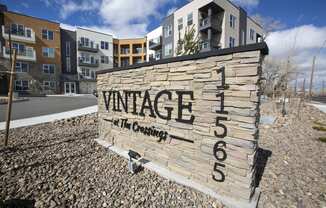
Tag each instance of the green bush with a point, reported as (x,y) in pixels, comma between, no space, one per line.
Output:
(322,139)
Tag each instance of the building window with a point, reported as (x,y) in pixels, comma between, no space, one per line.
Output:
(20,48)
(67,49)
(47,34)
(168,49)
(49,85)
(85,72)
(48,68)
(48,52)
(190,19)
(104,45)
(231,42)
(232,21)
(88,74)
(68,64)
(17,29)
(180,23)
(20,30)
(28,33)
(252,34)
(22,67)
(168,31)
(104,59)
(21,85)
(84,41)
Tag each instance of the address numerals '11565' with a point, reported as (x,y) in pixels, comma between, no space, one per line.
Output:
(220,146)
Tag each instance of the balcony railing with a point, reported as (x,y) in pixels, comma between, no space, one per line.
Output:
(156,43)
(90,48)
(213,22)
(26,35)
(28,54)
(125,51)
(137,51)
(94,63)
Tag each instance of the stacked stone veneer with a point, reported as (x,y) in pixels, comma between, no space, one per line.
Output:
(195,160)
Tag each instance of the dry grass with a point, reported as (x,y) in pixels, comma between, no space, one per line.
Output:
(319,128)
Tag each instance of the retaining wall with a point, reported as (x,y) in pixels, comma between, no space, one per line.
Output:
(195,115)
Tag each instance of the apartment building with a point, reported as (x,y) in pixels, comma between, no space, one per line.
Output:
(154,43)
(218,23)
(94,53)
(37,42)
(69,77)
(129,51)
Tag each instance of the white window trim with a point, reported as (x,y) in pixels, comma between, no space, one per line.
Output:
(49,85)
(180,23)
(21,83)
(232,21)
(192,19)
(21,64)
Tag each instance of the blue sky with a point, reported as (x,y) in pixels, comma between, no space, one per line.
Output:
(298,27)
(290,13)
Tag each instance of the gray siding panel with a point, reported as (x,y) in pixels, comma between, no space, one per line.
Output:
(242,27)
(168,40)
(69,36)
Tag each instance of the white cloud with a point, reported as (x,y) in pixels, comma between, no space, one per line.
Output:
(122,18)
(247,3)
(303,37)
(130,18)
(170,11)
(24,4)
(46,2)
(70,7)
(302,43)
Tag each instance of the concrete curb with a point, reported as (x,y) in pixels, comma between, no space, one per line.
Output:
(49,118)
(164,172)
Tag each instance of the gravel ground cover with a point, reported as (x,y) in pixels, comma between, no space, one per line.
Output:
(59,165)
(295,175)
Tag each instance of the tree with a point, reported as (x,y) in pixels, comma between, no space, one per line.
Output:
(189,44)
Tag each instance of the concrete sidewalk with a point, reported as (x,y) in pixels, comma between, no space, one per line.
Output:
(49,118)
(320,106)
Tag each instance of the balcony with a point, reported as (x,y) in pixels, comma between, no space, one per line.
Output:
(124,50)
(207,45)
(137,50)
(94,48)
(155,44)
(213,23)
(28,54)
(27,35)
(93,63)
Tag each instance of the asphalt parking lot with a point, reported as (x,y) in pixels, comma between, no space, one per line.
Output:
(47,105)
